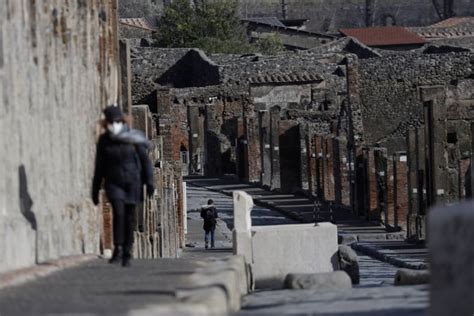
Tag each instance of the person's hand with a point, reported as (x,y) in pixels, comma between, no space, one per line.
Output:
(150,190)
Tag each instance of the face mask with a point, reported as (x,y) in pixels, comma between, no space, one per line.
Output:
(115,127)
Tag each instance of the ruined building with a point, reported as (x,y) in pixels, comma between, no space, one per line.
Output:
(337,122)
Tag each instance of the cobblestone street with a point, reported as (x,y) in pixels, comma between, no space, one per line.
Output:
(376,294)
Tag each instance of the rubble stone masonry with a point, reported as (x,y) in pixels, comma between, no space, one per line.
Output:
(58,68)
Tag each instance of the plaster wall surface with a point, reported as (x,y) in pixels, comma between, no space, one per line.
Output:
(57,70)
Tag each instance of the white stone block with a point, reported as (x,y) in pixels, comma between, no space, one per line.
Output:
(242,244)
(243,205)
(241,236)
(284,249)
(451,235)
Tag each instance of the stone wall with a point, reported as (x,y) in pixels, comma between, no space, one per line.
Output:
(58,68)
(389,90)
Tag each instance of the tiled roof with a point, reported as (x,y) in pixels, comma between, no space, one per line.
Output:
(148,24)
(384,36)
(453,21)
(449,28)
(284,78)
(271,21)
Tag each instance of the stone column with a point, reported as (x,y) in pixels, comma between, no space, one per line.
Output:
(319,166)
(304,151)
(125,76)
(265,148)
(275,148)
(471,193)
(391,210)
(413,202)
(241,234)
(313,183)
(435,140)
(328,156)
(380,160)
(342,171)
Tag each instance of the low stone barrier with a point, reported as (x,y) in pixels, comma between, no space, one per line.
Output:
(285,249)
(411,277)
(318,281)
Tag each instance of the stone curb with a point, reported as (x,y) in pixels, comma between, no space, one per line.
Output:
(217,289)
(377,254)
(21,276)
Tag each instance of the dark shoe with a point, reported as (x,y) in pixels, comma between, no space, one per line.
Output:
(117,255)
(127,256)
(212,246)
(126,261)
(207,245)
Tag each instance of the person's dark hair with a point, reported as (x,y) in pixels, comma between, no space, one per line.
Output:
(210,202)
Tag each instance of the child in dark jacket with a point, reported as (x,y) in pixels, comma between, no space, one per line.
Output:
(209,214)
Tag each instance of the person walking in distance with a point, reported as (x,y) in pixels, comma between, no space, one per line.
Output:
(209,214)
(122,161)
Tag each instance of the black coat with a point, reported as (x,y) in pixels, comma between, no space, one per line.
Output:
(209,221)
(125,168)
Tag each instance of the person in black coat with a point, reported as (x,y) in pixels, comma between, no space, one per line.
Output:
(122,161)
(209,214)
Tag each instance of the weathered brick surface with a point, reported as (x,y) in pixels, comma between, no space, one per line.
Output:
(329,180)
(401,195)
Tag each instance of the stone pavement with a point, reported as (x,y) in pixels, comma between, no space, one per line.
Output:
(370,301)
(370,238)
(375,295)
(149,287)
(204,282)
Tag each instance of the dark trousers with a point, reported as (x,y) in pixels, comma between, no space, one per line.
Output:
(124,224)
(206,236)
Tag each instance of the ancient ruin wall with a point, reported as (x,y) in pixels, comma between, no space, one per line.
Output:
(57,69)
(389,92)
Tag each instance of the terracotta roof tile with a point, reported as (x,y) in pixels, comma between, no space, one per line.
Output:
(384,36)
(141,23)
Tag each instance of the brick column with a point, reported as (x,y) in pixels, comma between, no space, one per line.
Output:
(371,185)
(435,140)
(265,148)
(252,149)
(391,215)
(400,193)
(125,76)
(471,187)
(318,142)
(360,175)
(304,157)
(413,201)
(275,148)
(329,183)
(380,161)
(343,185)
(313,181)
